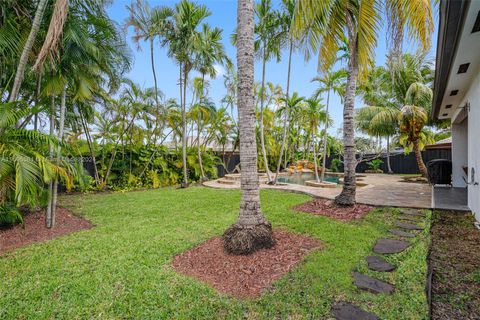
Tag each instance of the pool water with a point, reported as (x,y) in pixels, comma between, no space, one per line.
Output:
(300,178)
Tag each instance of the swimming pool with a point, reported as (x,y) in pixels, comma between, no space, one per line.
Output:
(300,178)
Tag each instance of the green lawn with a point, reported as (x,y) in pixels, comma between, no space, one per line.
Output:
(122,267)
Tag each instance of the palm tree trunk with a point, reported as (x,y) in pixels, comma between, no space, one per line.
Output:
(325,139)
(184,128)
(48,215)
(262,100)
(317,178)
(152,61)
(27,48)
(287,114)
(347,196)
(200,163)
(252,231)
(90,147)
(418,157)
(389,168)
(61,126)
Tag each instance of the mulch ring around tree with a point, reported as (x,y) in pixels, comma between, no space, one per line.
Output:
(244,276)
(34,229)
(328,208)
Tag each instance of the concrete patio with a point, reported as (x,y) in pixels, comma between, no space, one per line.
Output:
(382,190)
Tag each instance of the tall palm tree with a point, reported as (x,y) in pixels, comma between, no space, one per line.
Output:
(291,104)
(149,24)
(267,44)
(287,18)
(329,81)
(252,231)
(187,18)
(314,114)
(22,63)
(325,23)
(208,52)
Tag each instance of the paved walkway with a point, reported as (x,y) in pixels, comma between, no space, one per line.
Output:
(382,190)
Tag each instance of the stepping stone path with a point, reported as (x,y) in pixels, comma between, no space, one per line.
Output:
(347,311)
(408,226)
(388,246)
(377,263)
(401,233)
(370,284)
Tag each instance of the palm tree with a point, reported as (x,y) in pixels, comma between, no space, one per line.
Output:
(25,169)
(208,52)
(399,99)
(413,117)
(324,24)
(37,20)
(291,104)
(313,114)
(267,45)
(148,24)
(329,81)
(252,231)
(187,18)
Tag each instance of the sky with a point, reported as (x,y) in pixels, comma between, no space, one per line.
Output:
(224,16)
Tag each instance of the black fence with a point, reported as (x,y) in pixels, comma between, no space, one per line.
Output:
(399,162)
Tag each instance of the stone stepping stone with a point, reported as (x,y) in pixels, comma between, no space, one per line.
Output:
(409,218)
(346,311)
(411,212)
(377,263)
(387,246)
(401,233)
(408,226)
(372,285)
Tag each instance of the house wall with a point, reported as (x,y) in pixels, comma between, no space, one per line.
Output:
(459,153)
(473,98)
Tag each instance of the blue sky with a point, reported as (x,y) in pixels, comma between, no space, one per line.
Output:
(224,17)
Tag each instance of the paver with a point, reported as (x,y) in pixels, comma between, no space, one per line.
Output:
(372,285)
(387,246)
(346,311)
(401,233)
(408,226)
(377,263)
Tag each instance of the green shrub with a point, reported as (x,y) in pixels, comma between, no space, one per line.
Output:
(375,164)
(9,215)
(335,165)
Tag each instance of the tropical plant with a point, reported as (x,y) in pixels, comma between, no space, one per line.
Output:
(251,231)
(314,114)
(375,164)
(329,81)
(23,165)
(149,24)
(325,25)
(187,19)
(208,52)
(267,45)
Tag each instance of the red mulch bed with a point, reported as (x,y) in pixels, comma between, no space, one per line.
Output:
(244,276)
(324,207)
(34,229)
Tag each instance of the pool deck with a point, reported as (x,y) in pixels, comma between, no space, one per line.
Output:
(382,190)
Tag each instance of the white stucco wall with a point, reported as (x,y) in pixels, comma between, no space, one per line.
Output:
(459,153)
(473,97)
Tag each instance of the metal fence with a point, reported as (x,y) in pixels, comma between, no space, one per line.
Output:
(399,162)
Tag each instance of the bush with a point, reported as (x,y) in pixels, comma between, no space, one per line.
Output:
(9,215)
(335,165)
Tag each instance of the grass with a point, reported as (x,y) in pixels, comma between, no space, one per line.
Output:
(122,268)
